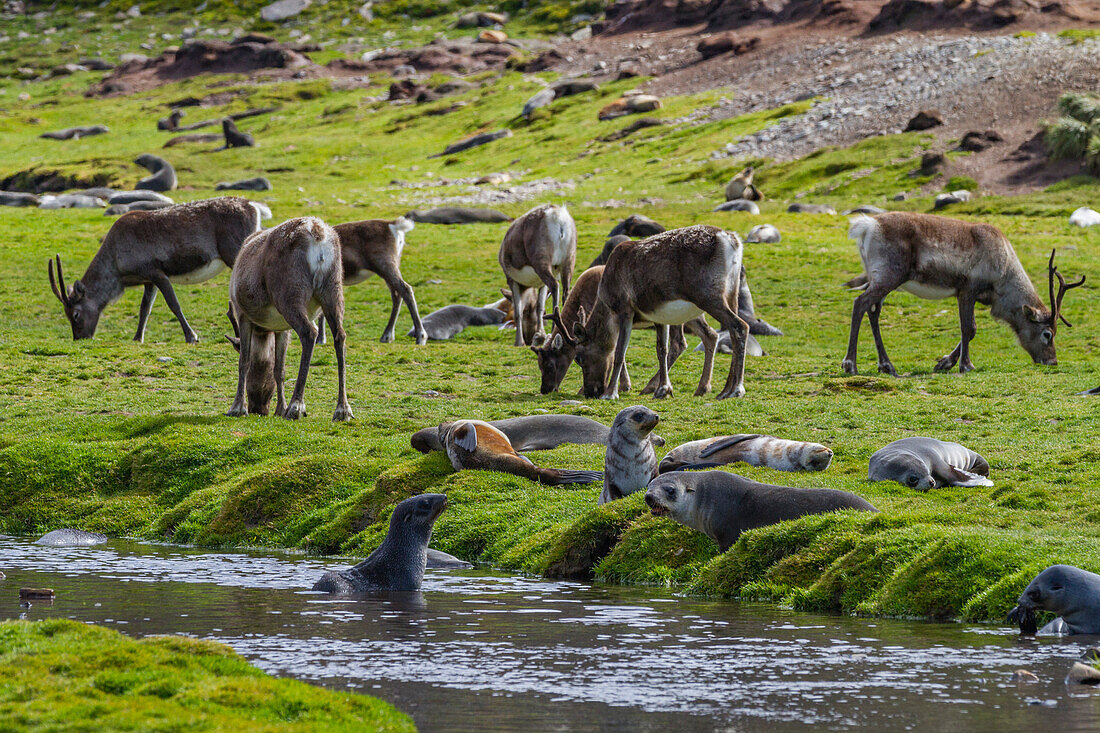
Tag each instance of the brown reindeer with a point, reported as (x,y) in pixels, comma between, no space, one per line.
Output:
(375,246)
(187,243)
(936,257)
(667,279)
(539,249)
(283,277)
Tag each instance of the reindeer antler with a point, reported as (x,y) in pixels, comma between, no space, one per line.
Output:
(565,333)
(1056,302)
(60,293)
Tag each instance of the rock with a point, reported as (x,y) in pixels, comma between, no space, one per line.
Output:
(282,9)
(134,11)
(493,179)
(581,34)
(738,205)
(490,35)
(764,233)
(259,183)
(66,69)
(36,594)
(900,196)
(628,71)
(540,100)
(945,199)
(96,64)
(924,120)
(1083,674)
(726,43)
(132,58)
(473,142)
(570,403)
(1023,676)
(811,209)
(68,537)
(975,141)
(1085,217)
(366,11)
(961,195)
(18,199)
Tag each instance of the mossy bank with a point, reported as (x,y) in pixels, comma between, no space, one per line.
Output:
(128,438)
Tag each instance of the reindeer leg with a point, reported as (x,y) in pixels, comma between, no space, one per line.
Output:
(517,310)
(626,323)
(335,311)
(540,312)
(147,299)
(307,334)
(624,380)
(406,292)
(321,329)
(282,339)
(664,386)
(739,333)
(874,294)
(709,337)
(961,354)
(677,344)
(164,285)
(239,409)
(884,365)
(387,332)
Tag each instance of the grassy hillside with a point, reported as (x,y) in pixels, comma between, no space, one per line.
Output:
(106,435)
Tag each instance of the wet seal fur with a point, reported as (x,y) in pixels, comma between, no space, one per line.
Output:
(473,444)
(532,432)
(71,538)
(754,449)
(630,463)
(1072,593)
(927,463)
(399,562)
(723,505)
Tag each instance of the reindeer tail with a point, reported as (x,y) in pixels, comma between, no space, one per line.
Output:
(557,477)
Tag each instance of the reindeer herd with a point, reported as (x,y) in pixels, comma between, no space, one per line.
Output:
(291,278)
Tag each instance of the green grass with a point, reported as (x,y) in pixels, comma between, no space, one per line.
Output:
(59,675)
(102,435)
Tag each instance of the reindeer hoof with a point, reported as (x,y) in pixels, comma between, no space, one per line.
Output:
(295,410)
(849,366)
(736,392)
(386,338)
(192,339)
(236,412)
(320,340)
(700,391)
(665,390)
(342,414)
(421,338)
(648,389)
(945,364)
(965,367)
(609,396)
(887,368)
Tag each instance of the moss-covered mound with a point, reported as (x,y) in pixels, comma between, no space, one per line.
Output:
(62,675)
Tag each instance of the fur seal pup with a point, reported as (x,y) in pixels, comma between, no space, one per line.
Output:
(723,505)
(18,199)
(234,138)
(811,209)
(927,463)
(171,123)
(630,463)
(613,241)
(1072,593)
(457,215)
(764,233)
(259,183)
(636,226)
(533,432)
(738,205)
(451,320)
(120,209)
(164,175)
(71,538)
(75,133)
(477,445)
(399,562)
(130,197)
(755,450)
(741,186)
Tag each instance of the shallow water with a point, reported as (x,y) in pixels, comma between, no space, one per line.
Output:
(477,650)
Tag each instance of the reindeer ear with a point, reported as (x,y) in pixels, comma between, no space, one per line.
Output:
(579,331)
(1033,314)
(556,342)
(538,340)
(78,291)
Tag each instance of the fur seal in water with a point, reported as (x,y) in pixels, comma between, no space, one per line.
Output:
(532,432)
(630,463)
(473,444)
(451,320)
(755,450)
(723,505)
(164,175)
(71,538)
(927,463)
(1072,593)
(398,563)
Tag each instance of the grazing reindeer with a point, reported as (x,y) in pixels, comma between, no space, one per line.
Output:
(936,257)
(539,248)
(283,277)
(667,279)
(559,350)
(374,246)
(188,243)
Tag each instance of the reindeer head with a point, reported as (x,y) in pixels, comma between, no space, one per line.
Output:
(555,355)
(1039,326)
(595,355)
(83,315)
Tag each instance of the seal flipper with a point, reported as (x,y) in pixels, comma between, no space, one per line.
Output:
(695,466)
(466,436)
(558,477)
(1057,627)
(952,476)
(726,443)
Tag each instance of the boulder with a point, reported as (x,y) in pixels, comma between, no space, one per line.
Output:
(490,35)
(924,120)
(280,10)
(1083,674)
(538,101)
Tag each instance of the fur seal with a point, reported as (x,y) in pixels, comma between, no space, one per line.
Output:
(399,562)
(70,201)
(764,233)
(810,209)
(164,175)
(451,320)
(864,209)
(120,209)
(71,538)
(171,123)
(738,205)
(259,183)
(612,242)
(533,432)
(130,197)
(723,505)
(752,346)
(75,133)
(636,226)
(438,559)
(8,198)
(741,187)
(927,463)
(755,450)
(477,445)
(457,215)
(1072,593)
(630,463)
(234,138)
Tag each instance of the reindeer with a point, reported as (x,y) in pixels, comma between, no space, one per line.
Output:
(539,248)
(935,257)
(283,277)
(187,243)
(374,246)
(668,279)
(559,349)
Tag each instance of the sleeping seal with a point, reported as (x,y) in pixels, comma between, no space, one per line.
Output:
(398,563)
(927,463)
(755,450)
(473,444)
(1072,593)
(723,505)
(451,320)
(71,538)
(533,432)
(630,463)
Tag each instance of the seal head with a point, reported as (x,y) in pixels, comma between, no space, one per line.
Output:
(1070,592)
